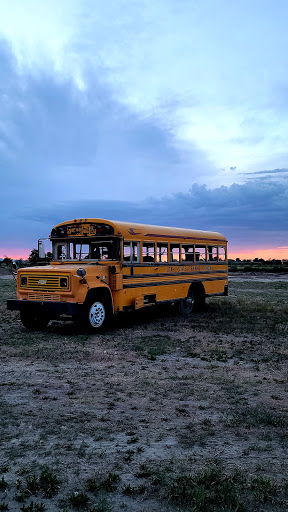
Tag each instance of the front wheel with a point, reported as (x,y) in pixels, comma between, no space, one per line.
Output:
(95,315)
(34,322)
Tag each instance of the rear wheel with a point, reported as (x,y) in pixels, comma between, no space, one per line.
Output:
(186,306)
(34,322)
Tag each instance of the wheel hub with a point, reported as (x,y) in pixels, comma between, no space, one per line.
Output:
(97,314)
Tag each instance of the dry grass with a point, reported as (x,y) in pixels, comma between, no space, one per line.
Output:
(145,416)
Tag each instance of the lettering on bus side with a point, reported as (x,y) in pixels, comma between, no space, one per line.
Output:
(189,269)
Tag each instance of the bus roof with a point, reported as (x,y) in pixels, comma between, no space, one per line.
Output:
(130,230)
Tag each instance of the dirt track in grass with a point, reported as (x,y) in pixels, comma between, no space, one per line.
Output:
(155,397)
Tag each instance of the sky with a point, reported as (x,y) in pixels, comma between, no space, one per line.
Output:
(171,112)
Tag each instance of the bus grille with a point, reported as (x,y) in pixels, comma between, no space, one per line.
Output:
(46,283)
(43,297)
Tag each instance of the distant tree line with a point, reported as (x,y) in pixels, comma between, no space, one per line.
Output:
(257,265)
(33,259)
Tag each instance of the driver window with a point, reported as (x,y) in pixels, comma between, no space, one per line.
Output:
(60,252)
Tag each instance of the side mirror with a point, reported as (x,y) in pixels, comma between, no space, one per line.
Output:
(81,272)
(41,250)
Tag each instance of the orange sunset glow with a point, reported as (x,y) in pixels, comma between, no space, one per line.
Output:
(279,253)
(15,254)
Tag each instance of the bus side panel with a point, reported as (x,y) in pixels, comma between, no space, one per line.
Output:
(172,282)
(127,298)
(212,287)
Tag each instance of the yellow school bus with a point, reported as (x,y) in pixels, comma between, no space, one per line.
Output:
(101,267)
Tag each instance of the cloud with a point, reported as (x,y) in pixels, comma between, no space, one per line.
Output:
(269,172)
(249,215)
(59,144)
(63,142)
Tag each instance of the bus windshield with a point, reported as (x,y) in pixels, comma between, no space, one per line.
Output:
(99,250)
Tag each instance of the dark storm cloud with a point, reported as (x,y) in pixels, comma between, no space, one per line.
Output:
(254,206)
(252,213)
(249,213)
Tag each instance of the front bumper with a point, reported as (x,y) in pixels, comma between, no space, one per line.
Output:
(49,308)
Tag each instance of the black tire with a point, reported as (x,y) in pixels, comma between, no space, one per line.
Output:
(33,321)
(186,306)
(200,302)
(95,315)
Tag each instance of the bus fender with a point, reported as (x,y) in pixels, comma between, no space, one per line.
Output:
(103,292)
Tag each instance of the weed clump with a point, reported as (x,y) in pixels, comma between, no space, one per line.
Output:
(3,484)
(207,491)
(33,507)
(258,415)
(79,500)
(101,506)
(264,490)
(108,484)
(49,483)
(153,346)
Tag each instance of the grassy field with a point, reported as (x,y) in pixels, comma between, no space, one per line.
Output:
(160,413)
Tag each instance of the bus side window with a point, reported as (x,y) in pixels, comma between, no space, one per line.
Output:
(175,252)
(135,251)
(187,252)
(200,253)
(221,254)
(148,251)
(212,253)
(131,251)
(162,253)
(127,251)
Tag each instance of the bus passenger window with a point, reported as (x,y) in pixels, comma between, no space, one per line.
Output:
(162,253)
(135,251)
(212,253)
(200,253)
(131,251)
(127,251)
(148,251)
(221,254)
(187,252)
(175,252)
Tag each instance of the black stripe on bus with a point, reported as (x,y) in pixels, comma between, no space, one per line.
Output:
(172,274)
(173,263)
(166,283)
